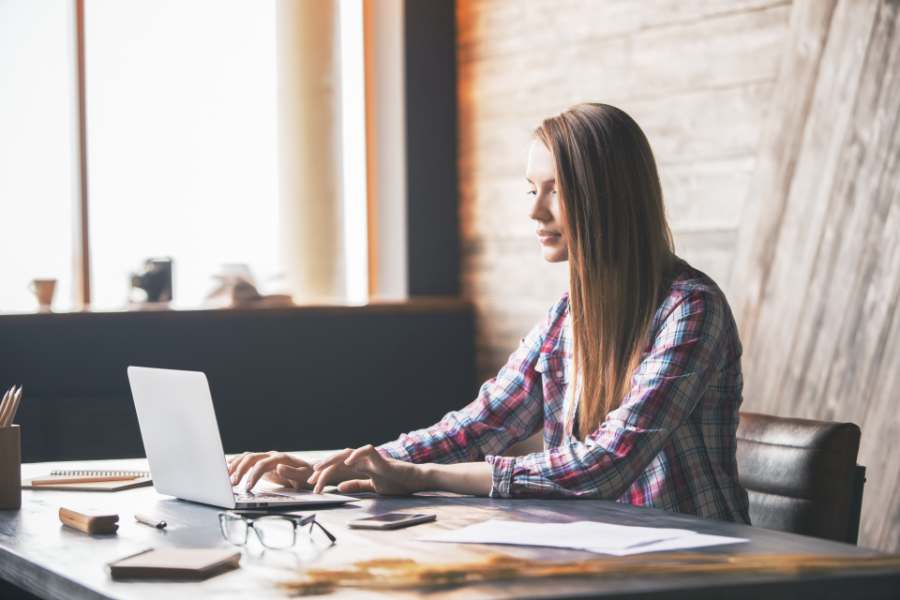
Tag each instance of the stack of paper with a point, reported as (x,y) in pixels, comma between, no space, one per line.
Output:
(603,538)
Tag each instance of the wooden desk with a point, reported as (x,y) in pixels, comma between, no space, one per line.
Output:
(41,556)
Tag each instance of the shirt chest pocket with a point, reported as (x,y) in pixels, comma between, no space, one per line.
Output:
(554,368)
(555,383)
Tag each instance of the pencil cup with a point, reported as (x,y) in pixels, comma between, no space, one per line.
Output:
(10,468)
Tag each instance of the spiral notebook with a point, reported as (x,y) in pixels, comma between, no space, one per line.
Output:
(89,480)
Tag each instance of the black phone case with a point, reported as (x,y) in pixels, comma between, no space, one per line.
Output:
(395,525)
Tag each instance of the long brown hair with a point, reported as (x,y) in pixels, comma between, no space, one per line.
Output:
(620,247)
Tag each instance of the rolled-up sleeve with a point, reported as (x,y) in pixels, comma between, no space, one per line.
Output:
(665,389)
(508,408)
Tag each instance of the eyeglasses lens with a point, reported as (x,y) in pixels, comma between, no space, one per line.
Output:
(275,532)
(234,528)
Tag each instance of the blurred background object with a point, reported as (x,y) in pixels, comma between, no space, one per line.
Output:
(153,284)
(236,287)
(43,290)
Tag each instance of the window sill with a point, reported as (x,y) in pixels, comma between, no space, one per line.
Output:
(424,304)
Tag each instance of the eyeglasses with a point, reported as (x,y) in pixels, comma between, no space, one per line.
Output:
(273,531)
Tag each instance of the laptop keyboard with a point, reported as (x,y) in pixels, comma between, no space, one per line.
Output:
(256,497)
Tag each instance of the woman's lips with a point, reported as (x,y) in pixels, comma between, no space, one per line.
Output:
(548,238)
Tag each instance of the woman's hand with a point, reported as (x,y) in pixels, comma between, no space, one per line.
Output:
(277,467)
(375,473)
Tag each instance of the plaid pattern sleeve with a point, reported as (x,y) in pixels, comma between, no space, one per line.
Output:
(614,461)
(508,408)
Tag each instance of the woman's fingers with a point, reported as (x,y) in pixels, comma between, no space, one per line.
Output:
(335,467)
(244,465)
(385,476)
(359,452)
(239,466)
(323,471)
(321,478)
(326,476)
(269,463)
(282,481)
(295,476)
(367,460)
(291,472)
(258,470)
(356,485)
(233,461)
(334,459)
(277,479)
(296,462)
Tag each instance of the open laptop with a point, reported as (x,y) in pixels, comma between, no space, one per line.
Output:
(181,437)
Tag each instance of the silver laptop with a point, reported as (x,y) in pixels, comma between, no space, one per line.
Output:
(181,437)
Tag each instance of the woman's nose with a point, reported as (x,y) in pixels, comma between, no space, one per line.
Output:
(539,210)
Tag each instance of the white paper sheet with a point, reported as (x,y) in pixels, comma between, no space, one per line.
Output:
(604,538)
(694,540)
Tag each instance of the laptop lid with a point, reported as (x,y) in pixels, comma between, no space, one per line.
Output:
(181,435)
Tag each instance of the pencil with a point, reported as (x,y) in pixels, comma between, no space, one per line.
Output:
(13,408)
(6,406)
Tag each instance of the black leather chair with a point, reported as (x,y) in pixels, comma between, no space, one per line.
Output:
(801,475)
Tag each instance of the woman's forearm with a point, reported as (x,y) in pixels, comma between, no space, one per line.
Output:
(463,478)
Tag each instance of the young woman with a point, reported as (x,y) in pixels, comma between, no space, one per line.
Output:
(634,376)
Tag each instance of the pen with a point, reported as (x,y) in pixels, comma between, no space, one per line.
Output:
(159,524)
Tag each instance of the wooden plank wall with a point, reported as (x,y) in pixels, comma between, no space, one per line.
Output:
(817,272)
(776,129)
(696,74)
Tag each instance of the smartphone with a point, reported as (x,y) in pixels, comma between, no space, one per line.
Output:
(394,520)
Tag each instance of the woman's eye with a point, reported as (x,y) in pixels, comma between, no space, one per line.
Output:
(531,193)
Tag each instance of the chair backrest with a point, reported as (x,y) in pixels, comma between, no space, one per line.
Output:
(801,475)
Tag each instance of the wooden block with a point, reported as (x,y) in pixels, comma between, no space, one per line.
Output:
(89,521)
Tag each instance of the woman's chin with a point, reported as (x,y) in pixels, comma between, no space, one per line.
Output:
(555,255)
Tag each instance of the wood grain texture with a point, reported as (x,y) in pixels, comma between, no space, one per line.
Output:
(698,77)
(776,160)
(818,267)
(775,126)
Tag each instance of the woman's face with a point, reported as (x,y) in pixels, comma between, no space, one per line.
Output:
(545,203)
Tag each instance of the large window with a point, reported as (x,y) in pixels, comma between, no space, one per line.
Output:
(181,145)
(182,141)
(37,163)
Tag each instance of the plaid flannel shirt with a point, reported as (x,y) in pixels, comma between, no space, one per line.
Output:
(670,444)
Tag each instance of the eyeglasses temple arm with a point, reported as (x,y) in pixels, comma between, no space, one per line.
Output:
(325,531)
